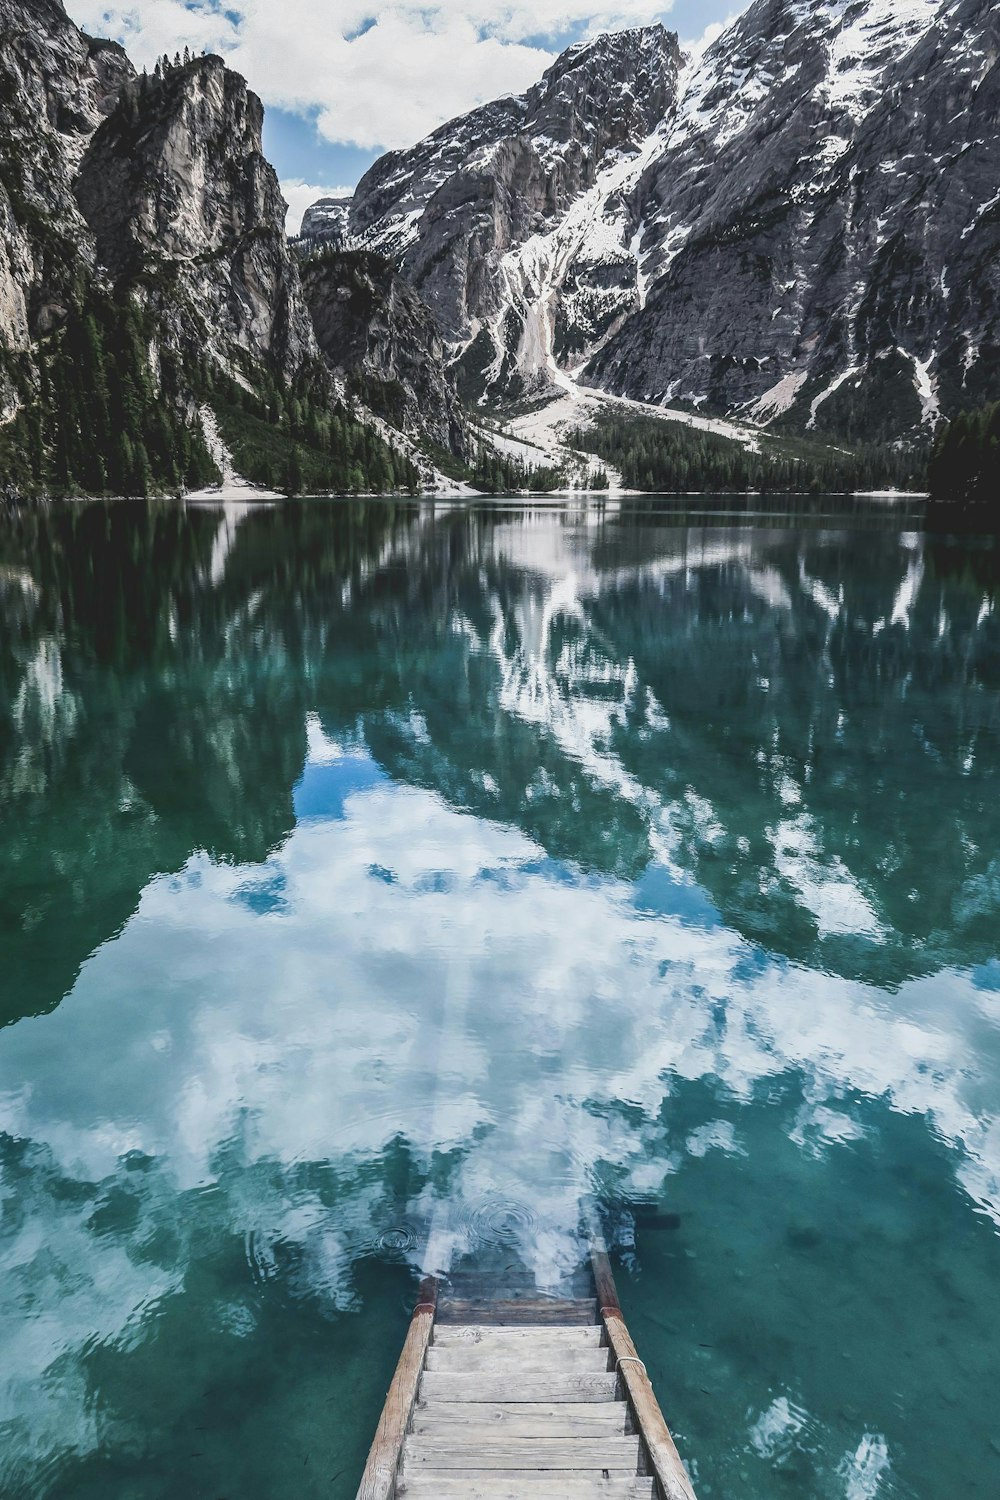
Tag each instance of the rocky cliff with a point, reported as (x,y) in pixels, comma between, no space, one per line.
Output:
(179,196)
(799,227)
(820,233)
(512,222)
(379,336)
(56,85)
(149,299)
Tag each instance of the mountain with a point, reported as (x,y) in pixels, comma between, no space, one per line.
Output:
(152,314)
(56,86)
(799,227)
(158,181)
(176,191)
(327,219)
(820,235)
(380,338)
(512,222)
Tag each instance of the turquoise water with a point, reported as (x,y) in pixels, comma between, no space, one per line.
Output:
(377,872)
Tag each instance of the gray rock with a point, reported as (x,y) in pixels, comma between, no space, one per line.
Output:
(378,335)
(327,219)
(800,228)
(820,232)
(158,184)
(56,85)
(453,209)
(177,192)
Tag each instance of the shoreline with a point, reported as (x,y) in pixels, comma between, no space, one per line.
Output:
(234,494)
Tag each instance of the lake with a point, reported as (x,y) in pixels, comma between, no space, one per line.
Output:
(374,868)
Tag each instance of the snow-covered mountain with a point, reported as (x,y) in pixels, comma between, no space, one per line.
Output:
(801,226)
(513,222)
(327,219)
(820,236)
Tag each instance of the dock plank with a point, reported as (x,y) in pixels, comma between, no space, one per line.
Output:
(578,1310)
(471,1386)
(530,1357)
(515,1430)
(517,1337)
(544,1418)
(605,1454)
(663,1458)
(524,1484)
(378,1482)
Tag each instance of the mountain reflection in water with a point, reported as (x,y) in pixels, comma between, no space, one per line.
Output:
(369,866)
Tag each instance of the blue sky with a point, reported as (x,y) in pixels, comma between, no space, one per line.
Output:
(345,80)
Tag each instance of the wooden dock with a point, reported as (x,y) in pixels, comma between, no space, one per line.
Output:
(501,1394)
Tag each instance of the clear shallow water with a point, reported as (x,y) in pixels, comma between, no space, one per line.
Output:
(372,869)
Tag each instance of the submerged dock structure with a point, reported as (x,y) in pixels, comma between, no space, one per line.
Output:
(503,1394)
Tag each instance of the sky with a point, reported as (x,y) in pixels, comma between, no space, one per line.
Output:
(345,80)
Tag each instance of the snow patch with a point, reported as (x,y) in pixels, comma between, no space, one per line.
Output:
(824,395)
(930,408)
(980,214)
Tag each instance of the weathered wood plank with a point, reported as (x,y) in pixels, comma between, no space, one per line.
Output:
(470,1386)
(505,1286)
(519,1336)
(579,1310)
(548,1417)
(524,1485)
(664,1459)
(378,1482)
(605,1454)
(604,1277)
(515,1430)
(529,1357)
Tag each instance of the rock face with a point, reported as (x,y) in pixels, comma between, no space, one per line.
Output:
(327,219)
(799,227)
(378,335)
(176,190)
(157,183)
(512,221)
(139,218)
(819,234)
(56,85)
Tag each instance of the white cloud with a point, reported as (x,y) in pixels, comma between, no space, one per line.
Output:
(698,46)
(299,195)
(376,77)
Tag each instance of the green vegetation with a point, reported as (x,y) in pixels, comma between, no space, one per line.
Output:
(496,474)
(297,442)
(94,418)
(964,468)
(672,458)
(99,414)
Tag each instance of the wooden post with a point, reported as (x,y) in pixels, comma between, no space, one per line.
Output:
(665,1461)
(378,1482)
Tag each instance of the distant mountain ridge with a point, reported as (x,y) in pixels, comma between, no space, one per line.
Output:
(801,227)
